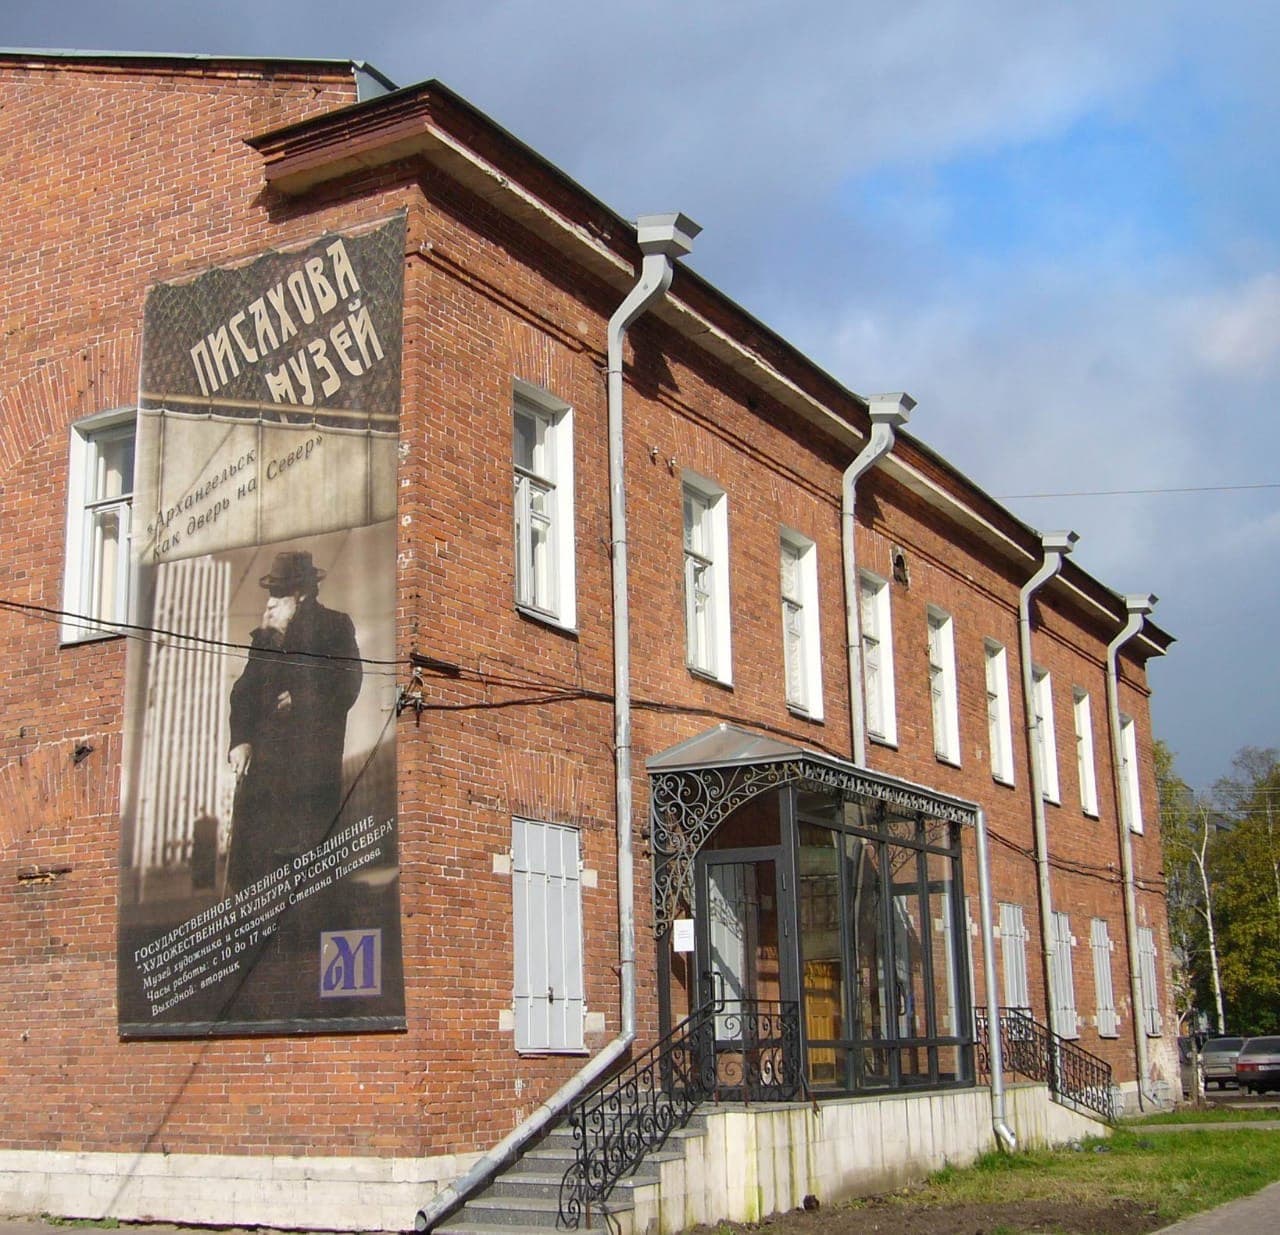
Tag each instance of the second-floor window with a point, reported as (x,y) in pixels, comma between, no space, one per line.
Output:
(706,579)
(1046,745)
(999,722)
(877,658)
(99,506)
(1084,752)
(942,686)
(543,506)
(801,653)
(1129,784)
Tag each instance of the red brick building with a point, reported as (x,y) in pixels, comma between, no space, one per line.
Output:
(606,555)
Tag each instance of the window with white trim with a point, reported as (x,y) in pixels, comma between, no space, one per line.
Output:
(547,937)
(1013,957)
(1100,946)
(1129,784)
(1046,743)
(1085,766)
(942,686)
(1151,1019)
(95,593)
(999,719)
(706,578)
(542,449)
(1062,976)
(877,658)
(802,655)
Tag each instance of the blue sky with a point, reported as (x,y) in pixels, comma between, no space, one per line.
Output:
(1054,225)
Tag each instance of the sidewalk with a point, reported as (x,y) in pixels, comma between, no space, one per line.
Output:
(1258,1214)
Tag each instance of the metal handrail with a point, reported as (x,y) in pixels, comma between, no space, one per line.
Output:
(740,1049)
(1074,1076)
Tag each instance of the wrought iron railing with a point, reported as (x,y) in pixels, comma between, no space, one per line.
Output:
(1074,1076)
(738,1050)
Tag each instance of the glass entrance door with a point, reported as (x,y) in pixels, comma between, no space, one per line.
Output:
(743,969)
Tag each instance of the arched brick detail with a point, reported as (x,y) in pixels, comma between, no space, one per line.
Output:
(96,378)
(47,795)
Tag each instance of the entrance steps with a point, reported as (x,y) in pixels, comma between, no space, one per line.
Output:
(526,1196)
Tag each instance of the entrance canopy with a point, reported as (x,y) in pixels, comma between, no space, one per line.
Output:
(698,783)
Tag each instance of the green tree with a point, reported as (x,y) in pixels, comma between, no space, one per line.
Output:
(1248,874)
(1189,830)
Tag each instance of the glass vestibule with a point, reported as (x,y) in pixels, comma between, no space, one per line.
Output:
(883,984)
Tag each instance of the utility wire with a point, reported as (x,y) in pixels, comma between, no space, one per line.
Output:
(1010,497)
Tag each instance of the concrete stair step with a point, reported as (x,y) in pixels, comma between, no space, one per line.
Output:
(537,1212)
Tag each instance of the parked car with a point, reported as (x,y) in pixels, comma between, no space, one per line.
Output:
(1218,1061)
(1258,1064)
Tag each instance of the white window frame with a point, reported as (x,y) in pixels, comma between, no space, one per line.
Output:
(545,582)
(1046,743)
(708,645)
(1130,784)
(1062,975)
(801,638)
(1104,990)
(549,1001)
(942,685)
(876,637)
(1013,957)
(1086,766)
(84,617)
(1151,1020)
(999,717)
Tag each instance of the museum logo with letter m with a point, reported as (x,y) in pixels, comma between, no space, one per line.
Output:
(350,963)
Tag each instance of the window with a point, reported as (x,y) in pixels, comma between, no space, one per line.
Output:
(1129,772)
(877,658)
(999,723)
(1147,971)
(1013,957)
(544,542)
(547,937)
(802,655)
(1062,976)
(942,686)
(1100,945)
(99,498)
(706,579)
(1084,753)
(1046,744)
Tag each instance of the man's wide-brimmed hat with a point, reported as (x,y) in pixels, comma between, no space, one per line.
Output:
(294,571)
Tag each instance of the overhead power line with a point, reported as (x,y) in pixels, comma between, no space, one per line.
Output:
(1010,497)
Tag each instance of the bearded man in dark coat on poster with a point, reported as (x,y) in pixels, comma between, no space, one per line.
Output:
(289,723)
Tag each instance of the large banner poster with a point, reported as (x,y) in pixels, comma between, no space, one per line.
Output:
(258,867)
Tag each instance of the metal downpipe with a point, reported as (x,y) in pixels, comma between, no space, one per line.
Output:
(1056,545)
(888,414)
(662,238)
(995,1049)
(1138,607)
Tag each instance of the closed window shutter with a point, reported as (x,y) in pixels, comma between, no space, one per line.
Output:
(1100,943)
(1064,994)
(547,904)
(1013,955)
(1147,972)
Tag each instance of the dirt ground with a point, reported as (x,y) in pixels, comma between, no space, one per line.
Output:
(899,1216)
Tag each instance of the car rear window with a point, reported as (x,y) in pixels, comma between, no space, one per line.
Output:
(1261,1046)
(1222,1044)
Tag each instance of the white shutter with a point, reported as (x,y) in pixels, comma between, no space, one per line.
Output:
(1147,972)
(1064,995)
(1013,956)
(547,905)
(1100,943)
